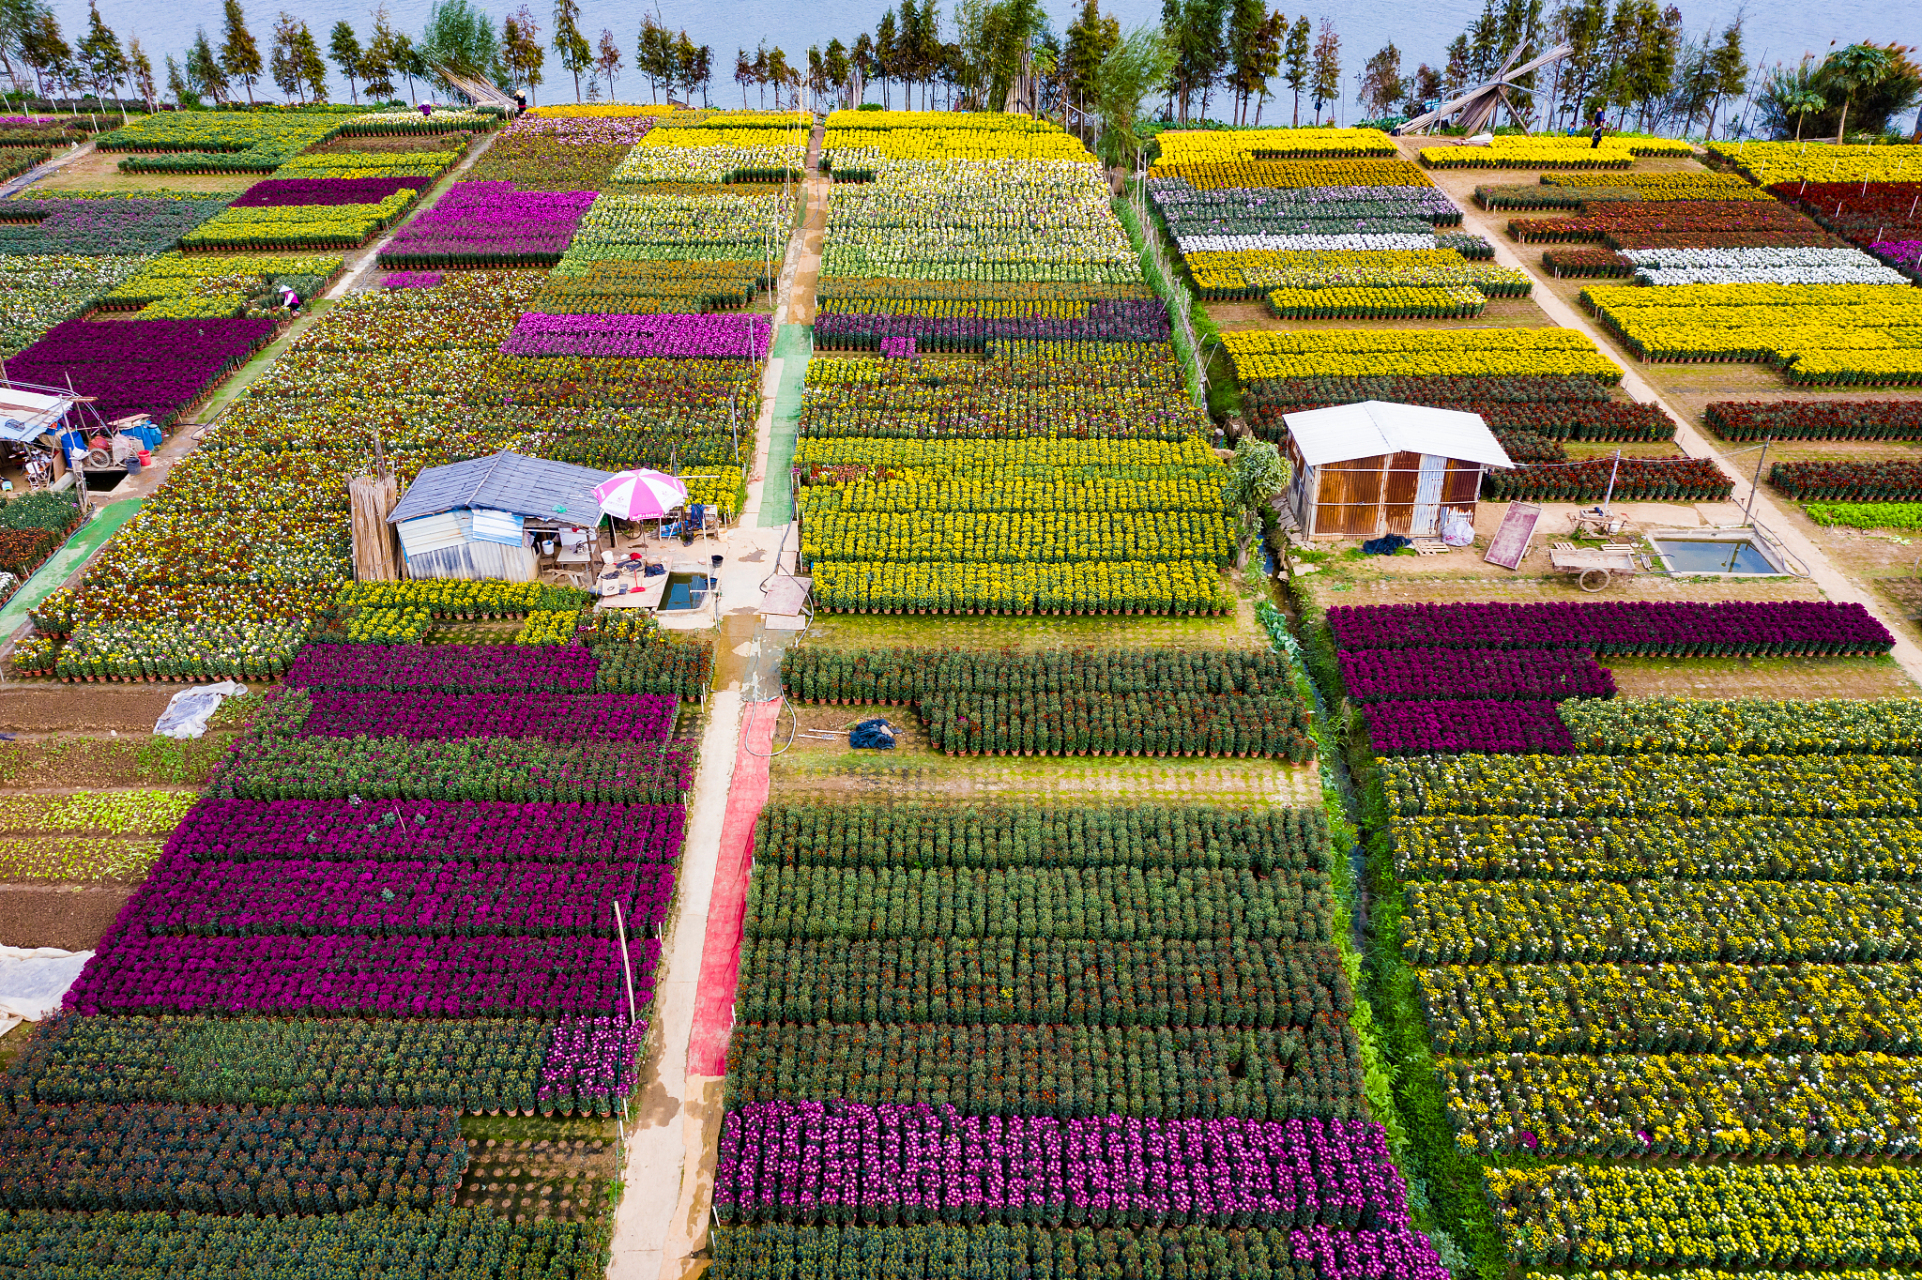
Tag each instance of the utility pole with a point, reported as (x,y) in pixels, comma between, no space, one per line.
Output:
(1756,483)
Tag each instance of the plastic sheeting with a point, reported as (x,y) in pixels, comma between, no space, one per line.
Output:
(1456,531)
(33,982)
(877,735)
(189,710)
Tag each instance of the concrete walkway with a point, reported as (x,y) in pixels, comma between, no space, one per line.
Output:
(655,1134)
(1837,585)
(65,563)
(661,1221)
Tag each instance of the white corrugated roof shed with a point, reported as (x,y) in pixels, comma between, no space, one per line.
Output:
(1373,427)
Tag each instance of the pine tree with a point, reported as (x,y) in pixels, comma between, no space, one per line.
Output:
(743,73)
(1730,71)
(378,64)
(344,45)
(1381,81)
(655,57)
(239,55)
(283,57)
(177,86)
(203,68)
(576,54)
(1297,61)
(140,69)
(44,49)
(607,62)
(313,68)
(1091,38)
(1327,85)
(886,50)
(100,56)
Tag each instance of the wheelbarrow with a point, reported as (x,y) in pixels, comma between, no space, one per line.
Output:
(1593,568)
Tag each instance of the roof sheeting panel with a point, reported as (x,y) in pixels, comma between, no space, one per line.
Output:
(1373,428)
(509,482)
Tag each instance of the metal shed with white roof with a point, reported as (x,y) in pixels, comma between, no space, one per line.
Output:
(1367,469)
(477,519)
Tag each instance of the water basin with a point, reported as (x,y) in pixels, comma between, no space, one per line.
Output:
(1734,554)
(684,591)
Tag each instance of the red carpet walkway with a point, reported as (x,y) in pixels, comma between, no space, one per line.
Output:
(721,951)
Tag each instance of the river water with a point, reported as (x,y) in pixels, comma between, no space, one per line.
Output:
(1775,30)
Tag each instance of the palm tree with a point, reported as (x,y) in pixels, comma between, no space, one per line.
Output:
(1799,102)
(1852,70)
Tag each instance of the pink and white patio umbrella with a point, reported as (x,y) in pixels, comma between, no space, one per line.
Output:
(639,495)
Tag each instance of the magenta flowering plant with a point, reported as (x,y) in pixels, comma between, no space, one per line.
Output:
(155,367)
(411,279)
(1899,253)
(639,337)
(419,716)
(477,224)
(1388,1253)
(1656,628)
(224,830)
(848,1162)
(1500,727)
(905,334)
(399,899)
(589,1062)
(276,193)
(452,668)
(1530,675)
(351,976)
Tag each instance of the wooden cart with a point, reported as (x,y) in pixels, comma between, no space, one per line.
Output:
(1593,568)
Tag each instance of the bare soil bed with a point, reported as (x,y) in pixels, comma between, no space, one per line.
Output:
(1760,678)
(83,708)
(73,919)
(562,1177)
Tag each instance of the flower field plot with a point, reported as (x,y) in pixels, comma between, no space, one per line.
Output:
(212,1245)
(852,314)
(181,284)
(1352,353)
(489,224)
(996,236)
(1145,702)
(1618,151)
(717,147)
(544,152)
(419,366)
(162,368)
(1818,334)
(1687,932)
(296,219)
(995,1044)
(357,166)
(221,141)
(116,225)
(38,291)
(1770,164)
(320,975)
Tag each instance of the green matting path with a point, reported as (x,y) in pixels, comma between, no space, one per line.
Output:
(61,564)
(792,345)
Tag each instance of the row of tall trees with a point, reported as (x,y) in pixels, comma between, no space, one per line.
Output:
(35,54)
